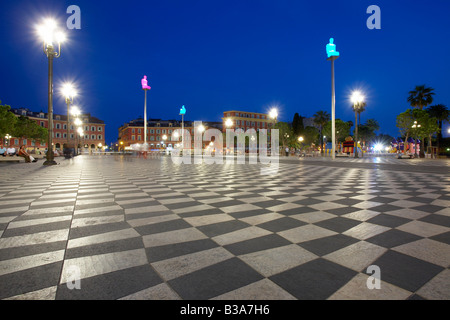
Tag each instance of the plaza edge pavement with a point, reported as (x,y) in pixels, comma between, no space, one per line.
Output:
(129,228)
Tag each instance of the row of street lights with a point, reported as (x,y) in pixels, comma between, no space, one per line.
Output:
(52,38)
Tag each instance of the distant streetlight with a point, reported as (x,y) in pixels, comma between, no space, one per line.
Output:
(228,123)
(75,111)
(273,114)
(300,139)
(357,99)
(7,138)
(49,34)
(69,93)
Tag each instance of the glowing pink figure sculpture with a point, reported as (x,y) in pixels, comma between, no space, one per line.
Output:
(144,83)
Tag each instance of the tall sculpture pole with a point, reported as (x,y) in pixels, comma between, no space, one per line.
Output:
(145,87)
(332,55)
(182,113)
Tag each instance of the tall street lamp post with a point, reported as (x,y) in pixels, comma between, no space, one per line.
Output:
(50,34)
(78,123)
(69,93)
(7,139)
(332,55)
(80,133)
(415,127)
(357,99)
(273,114)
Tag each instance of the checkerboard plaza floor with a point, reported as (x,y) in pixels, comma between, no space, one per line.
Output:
(119,227)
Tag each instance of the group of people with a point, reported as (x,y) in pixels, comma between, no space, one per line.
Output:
(11,151)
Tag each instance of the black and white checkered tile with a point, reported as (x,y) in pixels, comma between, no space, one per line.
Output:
(124,228)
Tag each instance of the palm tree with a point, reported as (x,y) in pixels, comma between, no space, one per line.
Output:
(320,119)
(419,98)
(441,113)
(373,124)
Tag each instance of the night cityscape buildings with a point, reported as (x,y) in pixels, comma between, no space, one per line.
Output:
(92,139)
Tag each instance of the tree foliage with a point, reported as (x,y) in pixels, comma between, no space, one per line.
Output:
(321,118)
(20,127)
(285,133)
(342,130)
(7,120)
(29,129)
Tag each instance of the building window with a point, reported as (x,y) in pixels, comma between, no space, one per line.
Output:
(157,131)
(58,126)
(152,131)
(139,131)
(100,129)
(100,137)
(93,136)
(86,128)
(42,124)
(132,130)
(92,128)
(65,126)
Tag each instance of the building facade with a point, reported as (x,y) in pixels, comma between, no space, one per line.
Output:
(245,120)
(93,129)
(160,133)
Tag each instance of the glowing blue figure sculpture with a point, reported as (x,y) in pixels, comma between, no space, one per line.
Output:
(182,110)
(331,49)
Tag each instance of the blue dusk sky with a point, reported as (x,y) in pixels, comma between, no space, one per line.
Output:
(215,55)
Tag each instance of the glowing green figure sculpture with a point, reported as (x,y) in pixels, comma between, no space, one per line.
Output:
(331,49)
